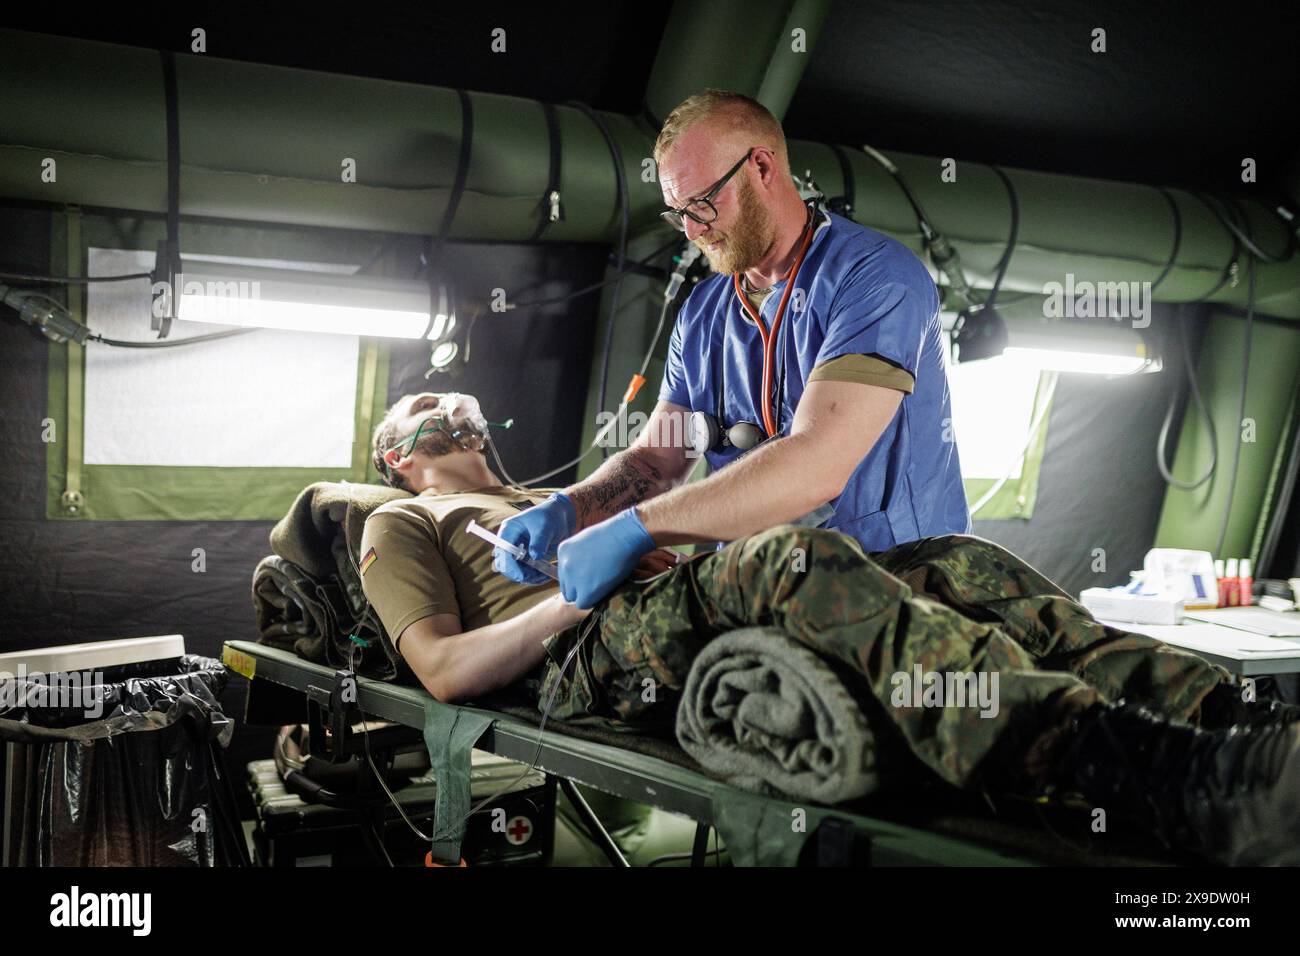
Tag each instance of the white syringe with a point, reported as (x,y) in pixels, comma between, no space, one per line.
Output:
(545,567)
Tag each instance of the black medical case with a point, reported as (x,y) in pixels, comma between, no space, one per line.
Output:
(514,829)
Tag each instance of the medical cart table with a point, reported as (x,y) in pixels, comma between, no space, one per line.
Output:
(1239,652)
(279,681)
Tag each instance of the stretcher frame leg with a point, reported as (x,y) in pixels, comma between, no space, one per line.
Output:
(700,849)
(595,829)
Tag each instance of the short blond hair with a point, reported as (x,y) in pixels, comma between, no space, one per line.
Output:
(737,111)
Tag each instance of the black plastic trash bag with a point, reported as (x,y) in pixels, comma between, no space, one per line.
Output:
(124,770)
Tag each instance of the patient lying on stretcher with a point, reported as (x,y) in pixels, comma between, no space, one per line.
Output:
(1150,732)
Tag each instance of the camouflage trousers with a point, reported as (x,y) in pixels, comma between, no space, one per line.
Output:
(895,622)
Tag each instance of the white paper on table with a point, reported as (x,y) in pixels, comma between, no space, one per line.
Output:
(1214,639)
(1258,620)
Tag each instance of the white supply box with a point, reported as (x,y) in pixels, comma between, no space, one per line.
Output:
(1117,604)
(1184,573)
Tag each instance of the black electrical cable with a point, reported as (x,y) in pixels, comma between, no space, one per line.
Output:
(889,167)
(1230,270)
(469,330)
(551,205)
(639,263)
(1239,239)
(1163,439)
(599,285)
(1178,237)
(1246,240)
(1284,494)
(625,217)
(975,312)
(462,174)
(173,150)
(1241,401)
(928,231)
(173,265)
(1012,238)
(170,343)
(845,200)
(154,344)
(71,280)
(378,254)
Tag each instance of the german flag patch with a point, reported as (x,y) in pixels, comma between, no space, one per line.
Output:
(371,557)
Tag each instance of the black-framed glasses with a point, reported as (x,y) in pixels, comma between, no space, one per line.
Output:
(702,210)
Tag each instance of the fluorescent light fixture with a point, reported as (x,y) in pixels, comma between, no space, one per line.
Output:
(442,327)
(1058,360)
(1100,346)
(1097,346)
(225,294)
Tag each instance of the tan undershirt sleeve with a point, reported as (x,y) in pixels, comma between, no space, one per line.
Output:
(865,370)
(403,572)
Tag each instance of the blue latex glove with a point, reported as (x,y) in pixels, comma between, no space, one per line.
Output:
(598,559)
(539,530)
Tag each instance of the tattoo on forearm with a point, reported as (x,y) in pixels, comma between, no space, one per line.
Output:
(629,482)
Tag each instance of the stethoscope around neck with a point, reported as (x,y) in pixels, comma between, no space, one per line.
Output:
(705,431)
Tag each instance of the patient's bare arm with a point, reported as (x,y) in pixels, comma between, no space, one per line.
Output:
(655,463)
(455,665)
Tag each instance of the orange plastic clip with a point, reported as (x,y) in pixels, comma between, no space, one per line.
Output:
(633,387)
(428,861)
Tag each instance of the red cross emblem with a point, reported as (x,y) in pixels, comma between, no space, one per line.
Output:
(519,830)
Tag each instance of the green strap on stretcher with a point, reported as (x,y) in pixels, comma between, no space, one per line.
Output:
(450,734)
(762,832)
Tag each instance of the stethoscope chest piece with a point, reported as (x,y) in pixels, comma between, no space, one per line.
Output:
(704,433)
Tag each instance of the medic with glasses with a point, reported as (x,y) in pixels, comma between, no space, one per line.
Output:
(810,367)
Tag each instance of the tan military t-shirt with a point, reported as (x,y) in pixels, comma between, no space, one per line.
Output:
(417,559)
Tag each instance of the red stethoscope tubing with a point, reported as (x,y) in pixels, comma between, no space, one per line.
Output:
(769,338)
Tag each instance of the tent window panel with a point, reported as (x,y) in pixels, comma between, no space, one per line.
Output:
(993,409)
(269,398)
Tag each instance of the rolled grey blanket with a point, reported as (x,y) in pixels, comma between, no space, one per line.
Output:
(770,716)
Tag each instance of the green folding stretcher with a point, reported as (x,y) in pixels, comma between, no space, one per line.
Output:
(756,830)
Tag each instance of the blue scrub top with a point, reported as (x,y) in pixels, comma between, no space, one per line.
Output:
(863,293)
